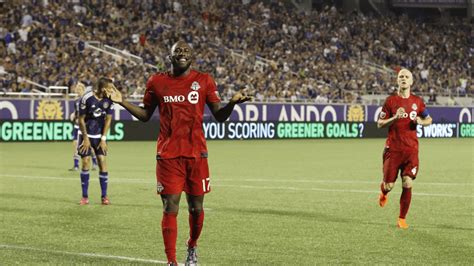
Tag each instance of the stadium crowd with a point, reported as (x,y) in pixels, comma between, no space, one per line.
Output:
(272,50)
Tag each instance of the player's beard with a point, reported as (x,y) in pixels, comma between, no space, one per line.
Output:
(180,67)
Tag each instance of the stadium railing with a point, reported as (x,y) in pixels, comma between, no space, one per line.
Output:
(96,48)
(379,68)
(42,87)
(36,94)
(64,90)
(373,99)
(123,53)
(117,53)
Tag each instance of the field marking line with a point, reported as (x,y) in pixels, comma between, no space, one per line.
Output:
(91,255)
(143,181)
(342,190)
(137,180)
(121,180)
(339,181)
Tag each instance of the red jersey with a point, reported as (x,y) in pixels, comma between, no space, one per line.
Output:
(181,101)
(402,132)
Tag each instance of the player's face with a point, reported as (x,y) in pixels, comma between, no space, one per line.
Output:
(181,56)
(404,79)
(100,92)
(80,89)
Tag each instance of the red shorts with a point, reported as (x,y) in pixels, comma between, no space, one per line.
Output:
(176,175)
(393,161)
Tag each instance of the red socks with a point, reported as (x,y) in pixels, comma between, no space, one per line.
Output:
(169,229)
(405,200)
(195,226)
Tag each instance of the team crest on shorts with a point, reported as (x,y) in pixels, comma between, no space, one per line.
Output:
(159,188)
(414,107)
(195,86)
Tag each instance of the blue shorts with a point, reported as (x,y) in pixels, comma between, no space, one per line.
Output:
(94,145)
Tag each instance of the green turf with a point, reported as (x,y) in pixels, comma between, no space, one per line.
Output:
(273,203)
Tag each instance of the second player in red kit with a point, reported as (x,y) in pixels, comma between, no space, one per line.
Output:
(402,112)
(181,96)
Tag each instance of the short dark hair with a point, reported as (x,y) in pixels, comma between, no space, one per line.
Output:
(103,81)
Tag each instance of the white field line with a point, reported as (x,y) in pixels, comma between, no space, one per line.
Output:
(270,180)
(343,190)
(341,181)
(90,255)
(143,181)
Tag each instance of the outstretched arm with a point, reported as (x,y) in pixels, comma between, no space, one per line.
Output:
(143,114)
(222,113)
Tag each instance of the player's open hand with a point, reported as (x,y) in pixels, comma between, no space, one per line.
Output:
(113,93)
(85,146)
(400,113)
(240,97)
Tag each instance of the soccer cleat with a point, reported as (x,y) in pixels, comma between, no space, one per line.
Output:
(383,200)
(94,167)
(105,201)
(402,223)
(74,169)
(84,201)
(172,264)
(191,258)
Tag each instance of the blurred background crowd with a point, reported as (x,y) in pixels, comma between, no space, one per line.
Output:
(269,48)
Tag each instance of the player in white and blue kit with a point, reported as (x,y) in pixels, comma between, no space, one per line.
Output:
(95,116)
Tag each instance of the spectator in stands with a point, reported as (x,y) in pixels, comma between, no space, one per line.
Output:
(317,47)
(451,101)
(433,95)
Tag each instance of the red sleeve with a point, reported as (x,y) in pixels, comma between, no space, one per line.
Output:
(386,113)
(150,100)
(212,95)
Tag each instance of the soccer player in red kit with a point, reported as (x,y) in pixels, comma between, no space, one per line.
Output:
(402,112)
(181,95)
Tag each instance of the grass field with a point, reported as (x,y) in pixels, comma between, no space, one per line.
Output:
(273,203)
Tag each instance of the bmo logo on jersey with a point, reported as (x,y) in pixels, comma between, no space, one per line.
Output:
(193,97)
(173,99)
